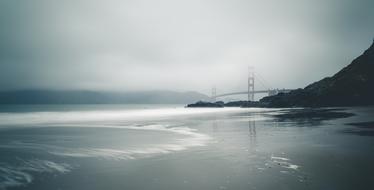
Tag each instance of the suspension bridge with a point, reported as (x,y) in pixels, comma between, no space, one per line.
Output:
(250,92)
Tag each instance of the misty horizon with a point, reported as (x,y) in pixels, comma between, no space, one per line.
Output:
(182,46)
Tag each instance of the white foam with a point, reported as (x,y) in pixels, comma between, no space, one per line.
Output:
(284,162)
(292,166)
(279,158)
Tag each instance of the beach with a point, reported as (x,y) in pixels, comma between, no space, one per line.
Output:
(172,147)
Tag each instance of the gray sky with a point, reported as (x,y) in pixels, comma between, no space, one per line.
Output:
(178,45)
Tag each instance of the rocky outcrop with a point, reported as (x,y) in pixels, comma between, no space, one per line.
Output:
(236,104)
(201,104)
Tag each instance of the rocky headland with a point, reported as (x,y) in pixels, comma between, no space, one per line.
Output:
(351,86)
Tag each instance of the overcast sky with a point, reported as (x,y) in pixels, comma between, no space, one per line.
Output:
(178,45)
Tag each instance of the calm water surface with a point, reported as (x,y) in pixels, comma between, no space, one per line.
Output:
(171,147)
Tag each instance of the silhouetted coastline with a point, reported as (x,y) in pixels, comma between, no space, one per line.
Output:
(221,104)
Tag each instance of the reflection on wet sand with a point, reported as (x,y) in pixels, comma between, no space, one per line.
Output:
(252,134)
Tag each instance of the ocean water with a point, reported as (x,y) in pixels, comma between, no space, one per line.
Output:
(172,147)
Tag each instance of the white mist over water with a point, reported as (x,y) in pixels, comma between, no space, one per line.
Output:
(47,117)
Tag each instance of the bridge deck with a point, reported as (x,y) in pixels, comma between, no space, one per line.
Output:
(254,92)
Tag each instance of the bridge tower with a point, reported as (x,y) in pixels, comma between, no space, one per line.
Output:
(214,94)
(251,84)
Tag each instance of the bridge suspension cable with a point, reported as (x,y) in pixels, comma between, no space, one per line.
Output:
(262,80)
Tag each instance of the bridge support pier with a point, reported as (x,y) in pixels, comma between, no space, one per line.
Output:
(251,84)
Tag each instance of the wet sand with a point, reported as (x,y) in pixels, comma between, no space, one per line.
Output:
(234,149)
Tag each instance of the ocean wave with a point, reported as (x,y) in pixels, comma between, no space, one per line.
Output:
(190,138)
(185,138)
(21,172)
